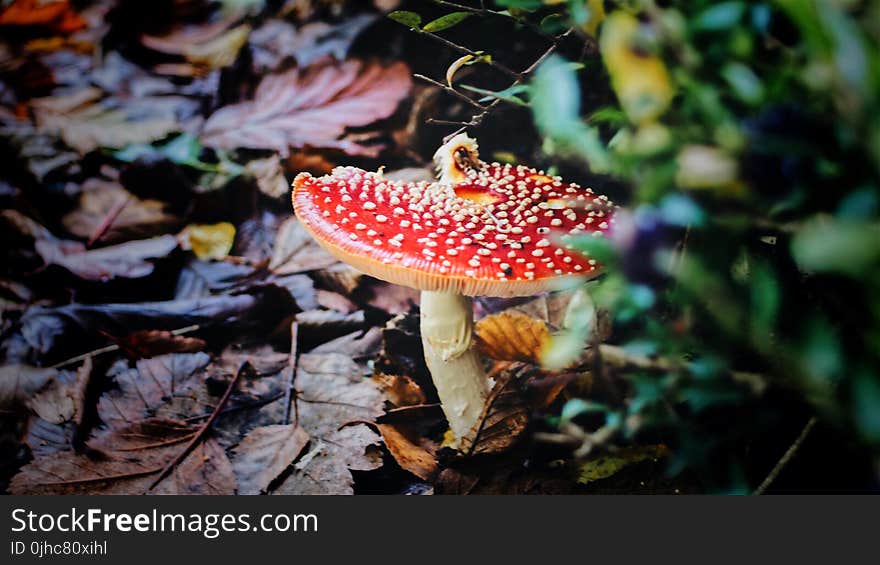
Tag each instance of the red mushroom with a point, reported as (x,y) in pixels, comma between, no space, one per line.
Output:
(482,230)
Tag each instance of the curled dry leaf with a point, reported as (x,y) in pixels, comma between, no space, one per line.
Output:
(512,336)
(311,107)
(264,454)
(400,390)
(408,451)
(128,460)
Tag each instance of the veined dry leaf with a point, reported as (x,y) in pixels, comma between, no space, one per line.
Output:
(126,260)
(332,391)
(208,241)
(407,451)
(18,383)
(326,468)
(142,390)
(296,251)
(311,107)
(100,197)
(504,419)
(512,336)
(608,464)
(264,454)
(114,122)
(132,458)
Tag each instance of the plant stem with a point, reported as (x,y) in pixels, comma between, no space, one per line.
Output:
(786,457)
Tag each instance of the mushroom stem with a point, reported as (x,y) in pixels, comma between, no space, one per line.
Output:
(447,324)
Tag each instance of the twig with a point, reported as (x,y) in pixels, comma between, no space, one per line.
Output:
(401,409)
(451,91)
(477,119)
(786,457)
(114,347)
(108,220)
(462,49)
(486,12)
(240,407)
(201,433)
(289,395)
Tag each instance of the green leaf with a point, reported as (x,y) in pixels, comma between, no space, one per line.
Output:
(446,22)
(744,82)
(410,19)
(577,406)
(605,466)
(723,15)
(837,246)
(508,94)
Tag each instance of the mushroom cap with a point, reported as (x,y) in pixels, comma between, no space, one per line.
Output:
(502,231)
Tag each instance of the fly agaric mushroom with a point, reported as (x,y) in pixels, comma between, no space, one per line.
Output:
(482,230)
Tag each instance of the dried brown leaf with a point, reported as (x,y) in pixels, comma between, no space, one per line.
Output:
(332,390)
(504,419)
(126,460)
(100,198)
(408,451)
(296,251)
(265,453)
(126,260)
(311,107)
(400,390)
(147,387)
(64,399)
(115,122)
(326,468)
(512,336)
(18,383)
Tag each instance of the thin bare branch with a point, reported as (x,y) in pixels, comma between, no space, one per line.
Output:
(451,91)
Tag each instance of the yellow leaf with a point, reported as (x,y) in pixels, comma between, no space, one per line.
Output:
(453,68)
(512,336)
(597,14)
(640,79)
(208,241)
(604,466)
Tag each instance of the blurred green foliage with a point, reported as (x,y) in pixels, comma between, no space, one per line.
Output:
(751,145)
(747,135)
